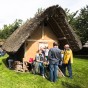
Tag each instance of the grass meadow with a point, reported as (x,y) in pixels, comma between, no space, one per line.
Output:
(12,79)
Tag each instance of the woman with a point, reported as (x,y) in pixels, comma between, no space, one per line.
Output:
(39,58)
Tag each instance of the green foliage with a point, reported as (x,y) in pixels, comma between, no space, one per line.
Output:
(12,79)
(9,29)
(71,18)
(82,24)
(79,23)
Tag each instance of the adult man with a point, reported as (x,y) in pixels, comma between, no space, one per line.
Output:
(68,59)
(54,58)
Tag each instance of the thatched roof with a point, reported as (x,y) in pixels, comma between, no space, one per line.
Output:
(56,18)
(2,41)
(86,45)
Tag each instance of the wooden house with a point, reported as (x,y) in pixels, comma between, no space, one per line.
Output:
(42,30)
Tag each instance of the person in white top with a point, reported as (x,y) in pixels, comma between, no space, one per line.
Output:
(46,50)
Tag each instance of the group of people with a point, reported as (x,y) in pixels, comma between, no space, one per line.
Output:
(54,58)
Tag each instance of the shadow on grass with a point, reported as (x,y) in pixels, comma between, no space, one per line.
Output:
(5,61)
(81,57)
(0,63)
(70,85)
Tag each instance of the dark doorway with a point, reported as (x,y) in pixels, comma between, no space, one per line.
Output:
(19,55)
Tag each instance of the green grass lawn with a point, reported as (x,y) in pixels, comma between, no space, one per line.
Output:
(12,79)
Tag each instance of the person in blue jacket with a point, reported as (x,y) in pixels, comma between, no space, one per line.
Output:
(54,57)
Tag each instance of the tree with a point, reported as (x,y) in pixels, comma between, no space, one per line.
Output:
(81,24)
(71,17)
(9,29)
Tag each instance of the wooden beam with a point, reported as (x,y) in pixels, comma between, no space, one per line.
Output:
(60,28)
(35,40)
(43,31)
(62,38)
(52,28)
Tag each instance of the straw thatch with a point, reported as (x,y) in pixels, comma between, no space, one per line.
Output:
(1,42)
(55,17)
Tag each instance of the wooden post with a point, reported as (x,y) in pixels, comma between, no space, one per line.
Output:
(43,31)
